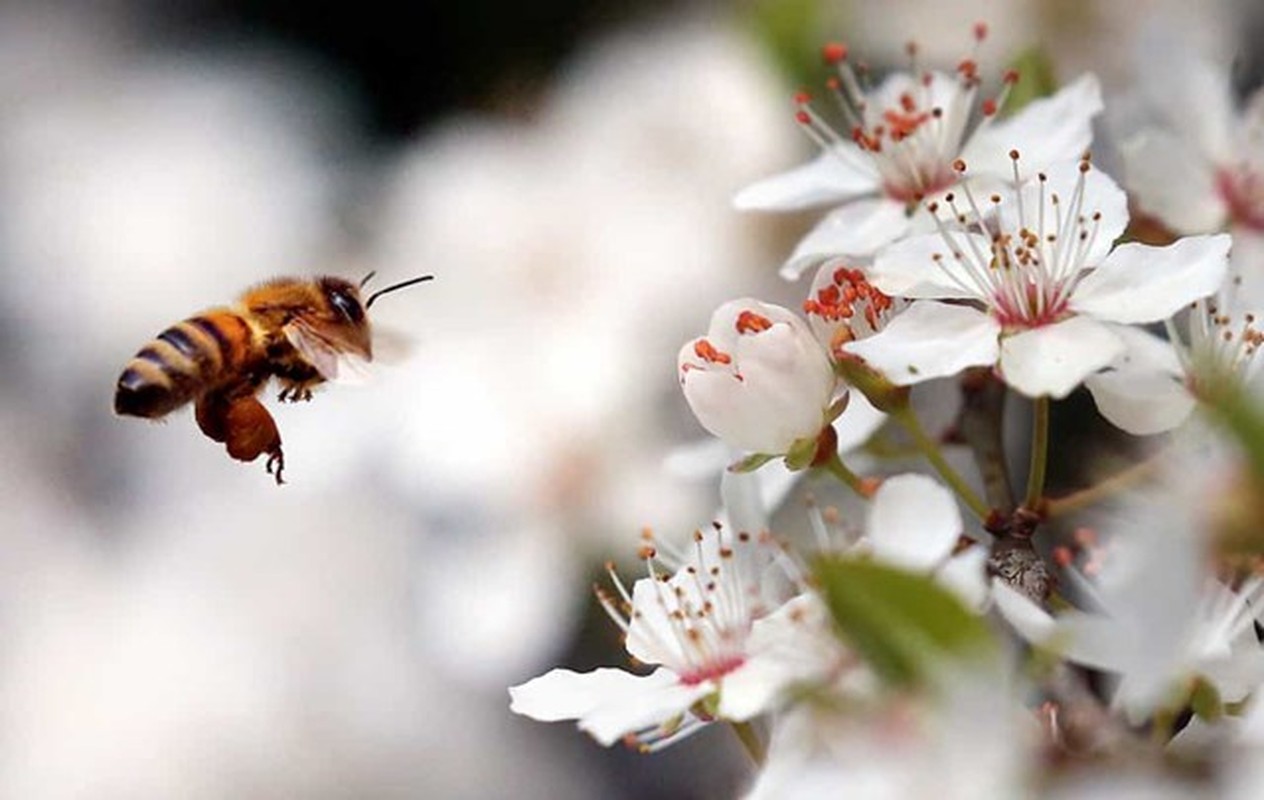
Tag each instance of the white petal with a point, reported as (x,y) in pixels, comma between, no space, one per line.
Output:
(1031,621)
(913,522)
(1054,359)
(1140,283)
(930,340)
(791,645)
(1193,94)
(1141,402)
(641,703)
(832,177)
(607,702)
(1145,351)
(1171,180)
(1044,132)
(858,229)
(925,267)
(859,422)
(966,575)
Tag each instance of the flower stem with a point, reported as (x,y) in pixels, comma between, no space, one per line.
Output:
(930,449)
(835,466)
(1124,479)
(1039,453)
(750,741)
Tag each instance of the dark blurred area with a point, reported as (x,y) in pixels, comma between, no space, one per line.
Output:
(408,63)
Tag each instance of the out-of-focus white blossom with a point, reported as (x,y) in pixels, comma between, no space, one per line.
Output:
(1154,616)
(1046,288)
(969,743)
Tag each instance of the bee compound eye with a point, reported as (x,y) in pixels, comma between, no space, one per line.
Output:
(347,306)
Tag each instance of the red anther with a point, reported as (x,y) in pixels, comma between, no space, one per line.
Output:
(833,83)
(645,553)
(1084,166)
(829,296)
(908,103)
(841,274)
(989,107)
(1011,76)
(802,97)
(969,68)
(1062,556)
(750,322)
(980,31)
(959,165)
(834,52)
(849,294)
(803,118)
(1013,155)
(708,352)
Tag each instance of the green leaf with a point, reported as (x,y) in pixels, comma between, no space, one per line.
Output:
(791,32)
(751,462)
(1036,79)
(903,624)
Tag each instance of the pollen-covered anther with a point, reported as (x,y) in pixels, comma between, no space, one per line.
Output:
(834,53)
(750,322)
(709,353)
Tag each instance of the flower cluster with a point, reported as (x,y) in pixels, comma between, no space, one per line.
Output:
(973,252)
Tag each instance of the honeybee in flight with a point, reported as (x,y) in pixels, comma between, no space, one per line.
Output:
(301,331)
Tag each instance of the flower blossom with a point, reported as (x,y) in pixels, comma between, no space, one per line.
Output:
(1197,163)
(1042,286)
(1155,384)
(903,139)
(758,380)
(1157,617)
(913,523)
(722,646)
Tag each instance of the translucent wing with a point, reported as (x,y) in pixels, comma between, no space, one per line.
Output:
(334,363)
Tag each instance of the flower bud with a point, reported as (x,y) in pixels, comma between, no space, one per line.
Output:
(759,380)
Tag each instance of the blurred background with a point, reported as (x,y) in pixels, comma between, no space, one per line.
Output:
(174,625)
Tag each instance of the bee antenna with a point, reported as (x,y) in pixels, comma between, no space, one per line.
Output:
(367,278)
(400,285)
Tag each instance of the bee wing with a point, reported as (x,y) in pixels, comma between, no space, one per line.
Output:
(391,345)
(334,363)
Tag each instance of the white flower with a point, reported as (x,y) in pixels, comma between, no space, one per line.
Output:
(913,523)
(1043,283)
(1197,162)
(758,380)
(903,139)
(1159,616)
(1155,384)
(969,743)
(722,647)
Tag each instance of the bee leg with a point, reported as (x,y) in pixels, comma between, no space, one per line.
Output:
(250,431)
(276,461)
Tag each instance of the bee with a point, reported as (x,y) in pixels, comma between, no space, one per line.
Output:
(301,331)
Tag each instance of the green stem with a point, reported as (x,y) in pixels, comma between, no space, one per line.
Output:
(750,741)
(930,449)
(1039,453)
(835,466)
(1120,481)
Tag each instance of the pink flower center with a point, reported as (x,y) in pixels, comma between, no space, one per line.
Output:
(712,671)
(1242,189)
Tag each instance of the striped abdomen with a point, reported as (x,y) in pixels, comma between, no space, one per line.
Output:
(184,361)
